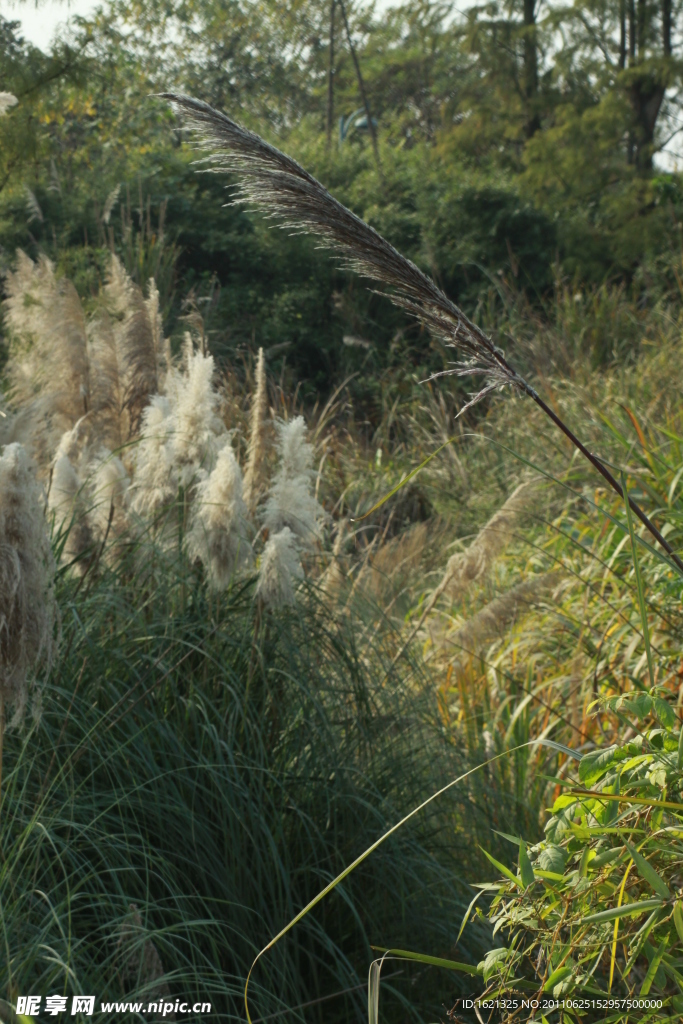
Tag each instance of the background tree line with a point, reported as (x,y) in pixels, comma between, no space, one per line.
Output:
(510,149)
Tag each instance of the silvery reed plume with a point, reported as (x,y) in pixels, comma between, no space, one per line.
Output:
(290,500)
(253,475)
(291,515)
(274,183)
(218,534)
(280,570)
(27,605)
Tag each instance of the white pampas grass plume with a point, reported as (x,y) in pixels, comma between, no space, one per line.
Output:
(108,484)
(197,423)
(66,499)
(7,101)
(218,534)
(109,204)
(161,345)
(28,611)
(290,502)
(155,481)
(280,570)
(257,438)
(48,366)
(32,206)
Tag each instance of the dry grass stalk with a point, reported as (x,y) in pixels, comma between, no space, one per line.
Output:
(253,476)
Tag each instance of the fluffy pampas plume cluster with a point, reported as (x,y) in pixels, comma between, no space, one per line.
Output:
(181,435)
(129,440)
(280,570)
(253,476)
(291,515)
(27,605)
(290,501)
(218,535)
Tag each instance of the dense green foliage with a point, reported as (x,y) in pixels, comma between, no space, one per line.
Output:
(198,768)
(507,163)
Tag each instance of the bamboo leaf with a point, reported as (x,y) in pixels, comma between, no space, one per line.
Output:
(647,872)
(468,912)
(501,867)
(526,872)
(627,911)
(557,976)
(678,919)
(654,966)
(434,961)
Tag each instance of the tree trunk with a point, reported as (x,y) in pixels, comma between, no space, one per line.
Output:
(666,27)
(622,34)
(642,28)
(533,122)
(361,88)
(647,94)
(330,77)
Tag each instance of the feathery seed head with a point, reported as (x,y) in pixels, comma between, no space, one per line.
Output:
(197,427)
(109,493)
(27,605)
(155,480)
(290,502)
(218,535)
(269,180)
(257,437)
(280,570)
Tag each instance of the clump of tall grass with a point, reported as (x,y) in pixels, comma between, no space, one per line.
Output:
(180,797)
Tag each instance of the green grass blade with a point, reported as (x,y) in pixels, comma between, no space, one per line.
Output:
(434,961)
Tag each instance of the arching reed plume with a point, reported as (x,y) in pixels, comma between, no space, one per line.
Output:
(253,476)
(276,184)
(27,606)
